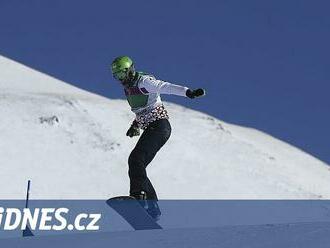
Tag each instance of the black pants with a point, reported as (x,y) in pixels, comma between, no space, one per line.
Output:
(150,142)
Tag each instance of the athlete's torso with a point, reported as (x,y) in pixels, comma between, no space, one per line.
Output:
(147,106)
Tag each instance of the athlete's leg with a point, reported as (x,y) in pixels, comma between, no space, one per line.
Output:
(152,139)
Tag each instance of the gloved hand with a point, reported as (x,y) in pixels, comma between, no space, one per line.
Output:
(195,93)
(134,130)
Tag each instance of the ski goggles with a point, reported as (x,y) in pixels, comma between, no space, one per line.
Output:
(120,75)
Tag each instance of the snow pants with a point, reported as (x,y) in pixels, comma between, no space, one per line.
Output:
(150,142)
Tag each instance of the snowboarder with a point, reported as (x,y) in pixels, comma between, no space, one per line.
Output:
(143,94)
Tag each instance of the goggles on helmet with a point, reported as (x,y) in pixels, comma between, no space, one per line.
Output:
(120,75)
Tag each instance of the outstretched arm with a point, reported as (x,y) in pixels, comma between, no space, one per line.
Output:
(153,85)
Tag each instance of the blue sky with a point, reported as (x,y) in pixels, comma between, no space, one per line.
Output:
(264,64)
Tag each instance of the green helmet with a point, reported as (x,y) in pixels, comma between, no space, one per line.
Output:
(123,69)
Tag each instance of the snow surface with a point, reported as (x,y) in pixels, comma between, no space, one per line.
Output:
(72,145)
(295,235)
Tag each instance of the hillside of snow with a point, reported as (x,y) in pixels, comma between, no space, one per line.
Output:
(295,235)
(72,145)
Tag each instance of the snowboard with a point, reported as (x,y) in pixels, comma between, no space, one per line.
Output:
(131,210)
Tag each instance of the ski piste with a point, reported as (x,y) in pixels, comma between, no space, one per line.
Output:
(131,210)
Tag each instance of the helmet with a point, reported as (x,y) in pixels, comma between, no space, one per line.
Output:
(123,69)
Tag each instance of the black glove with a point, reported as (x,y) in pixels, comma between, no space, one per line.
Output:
(134,130)
(195,93)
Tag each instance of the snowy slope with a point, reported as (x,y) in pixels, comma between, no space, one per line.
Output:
(295,235)
(72,144)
